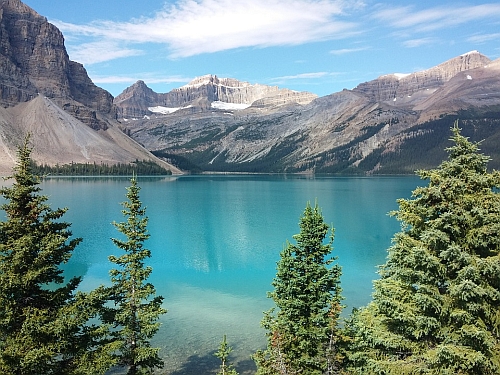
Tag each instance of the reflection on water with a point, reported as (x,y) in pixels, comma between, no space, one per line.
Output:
(215,241)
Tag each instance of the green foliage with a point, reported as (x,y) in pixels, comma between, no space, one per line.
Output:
(302,332)
(223,354)
(436,307)
(44,322)
(137,308)
(144,168)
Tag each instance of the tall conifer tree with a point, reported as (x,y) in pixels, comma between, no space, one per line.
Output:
(226,368)
(137,308)
(44,323)
(308,298)
(436,307)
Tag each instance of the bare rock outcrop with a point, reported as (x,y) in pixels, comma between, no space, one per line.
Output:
(33,60)
(44,93)
(136,100)
(285,97)
(393,86)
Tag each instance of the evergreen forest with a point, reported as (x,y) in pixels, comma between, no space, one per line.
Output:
(435,309)
(138,168)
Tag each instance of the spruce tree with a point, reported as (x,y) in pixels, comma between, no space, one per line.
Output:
(44,322)
(307,294)
(137,308)
(436,306)
(223,354)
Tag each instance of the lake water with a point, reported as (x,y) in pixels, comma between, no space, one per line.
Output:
(215,241)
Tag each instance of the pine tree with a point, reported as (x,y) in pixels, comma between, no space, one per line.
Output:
(44,323)
(137,309)
(436,306)
(223,354)
(307,294)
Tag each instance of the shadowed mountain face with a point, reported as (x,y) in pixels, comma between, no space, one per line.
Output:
(51,97)
(381,126)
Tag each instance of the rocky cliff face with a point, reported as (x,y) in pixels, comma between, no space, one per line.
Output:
(134,101)
(33,60)
(201,92)
(46,94)
(394,86)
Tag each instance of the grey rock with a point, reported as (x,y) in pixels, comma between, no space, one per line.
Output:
(393,86)
(33,60)
(199,94)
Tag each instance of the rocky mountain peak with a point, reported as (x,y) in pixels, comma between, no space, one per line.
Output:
(137,100)
(19,7)
(137,90)
(202,80)
(213,80)
(392,86)
(33,60)
(140,85)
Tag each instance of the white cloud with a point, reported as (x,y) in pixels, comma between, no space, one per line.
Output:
(436,18)
(303,76)
(413,43)
(192,27)
(314,75)
(345,51)
(483,38)
(96,52)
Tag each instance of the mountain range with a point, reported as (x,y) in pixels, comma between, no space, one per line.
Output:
(393,124)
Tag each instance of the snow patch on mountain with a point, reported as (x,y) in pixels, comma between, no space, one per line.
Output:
(401,75)
(165,110)
(469,53)
(229,106)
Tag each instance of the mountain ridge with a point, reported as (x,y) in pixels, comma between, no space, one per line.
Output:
(391,86)
(198,95)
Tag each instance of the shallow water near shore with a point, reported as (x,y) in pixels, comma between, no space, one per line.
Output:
(215,241)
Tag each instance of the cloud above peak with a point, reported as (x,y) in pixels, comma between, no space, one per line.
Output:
(192,27)
(439,17)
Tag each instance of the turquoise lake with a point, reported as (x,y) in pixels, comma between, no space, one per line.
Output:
(215,241)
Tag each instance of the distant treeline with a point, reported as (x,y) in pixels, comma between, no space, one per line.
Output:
(144,168)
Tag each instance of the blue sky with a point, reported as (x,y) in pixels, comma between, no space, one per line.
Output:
(320,46)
